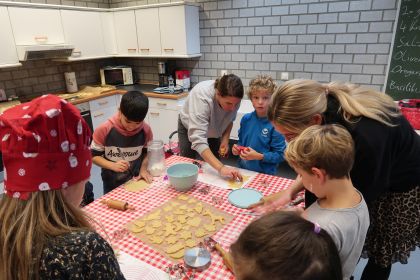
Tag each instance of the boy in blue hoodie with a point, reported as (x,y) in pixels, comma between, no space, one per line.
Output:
(260,147)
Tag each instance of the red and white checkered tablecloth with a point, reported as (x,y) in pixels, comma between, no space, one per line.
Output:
(109,221)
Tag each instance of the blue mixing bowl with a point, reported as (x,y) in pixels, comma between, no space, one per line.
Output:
(183,176)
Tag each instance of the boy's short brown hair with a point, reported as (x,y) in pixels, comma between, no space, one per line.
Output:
(329,147)
(261,82)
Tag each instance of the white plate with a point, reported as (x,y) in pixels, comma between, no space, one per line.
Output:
(244,197)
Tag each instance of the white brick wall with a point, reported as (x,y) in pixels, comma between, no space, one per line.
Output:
(318,39)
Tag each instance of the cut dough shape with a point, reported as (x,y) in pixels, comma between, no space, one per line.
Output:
(191,200)
(136,229)
(156,224)
(210,227)
(171,240)
(190,243)
(167,208)
(185,235)
(150,230)
(178,254)
(136,186)
(169,230)
(198,207)
(140,223)
(195,222)
(156,239)
(200,232)
(174,248)
(153,216)
(183,207)
(183,197)
(170,218)
(182,219)
(214,217)
(179,211)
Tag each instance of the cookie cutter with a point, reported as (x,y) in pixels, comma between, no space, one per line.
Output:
(214,245)
(204,190)
(217,200)
(179,272)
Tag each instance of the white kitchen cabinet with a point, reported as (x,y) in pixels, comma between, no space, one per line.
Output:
(33,26)
(108,31)
(102,109)
(83,29)
(148,31)
(8,54)
(126,32)
(163,117)
(179,30)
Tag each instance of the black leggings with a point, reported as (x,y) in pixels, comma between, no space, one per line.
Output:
(376,272)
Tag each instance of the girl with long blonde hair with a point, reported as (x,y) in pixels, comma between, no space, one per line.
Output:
(387,160)
(47,161)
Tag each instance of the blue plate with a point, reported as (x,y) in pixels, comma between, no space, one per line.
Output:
(243,198)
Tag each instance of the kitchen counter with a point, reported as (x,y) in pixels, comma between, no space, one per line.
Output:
(147,89)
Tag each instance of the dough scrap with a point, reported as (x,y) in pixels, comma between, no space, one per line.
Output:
(174,248)
(190,243)
(183,197)
(136,186)
(140,223)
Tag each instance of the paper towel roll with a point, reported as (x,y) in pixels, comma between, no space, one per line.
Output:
(71,83)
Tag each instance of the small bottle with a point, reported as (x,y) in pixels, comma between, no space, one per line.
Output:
(171,84)
(185,84)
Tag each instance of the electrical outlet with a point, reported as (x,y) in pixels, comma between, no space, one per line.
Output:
(223,72)
(284,76)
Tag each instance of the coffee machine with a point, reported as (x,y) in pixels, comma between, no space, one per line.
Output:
(163,74)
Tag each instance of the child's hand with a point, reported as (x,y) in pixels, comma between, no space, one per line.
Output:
(223,149)
(235,150)
(120,166)
(145,175)
(249,153)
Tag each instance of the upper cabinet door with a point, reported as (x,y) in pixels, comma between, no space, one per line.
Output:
(179,30)
(83,29)
(108,31)
(148,31)
(8,55)
(125,32)
(33,26)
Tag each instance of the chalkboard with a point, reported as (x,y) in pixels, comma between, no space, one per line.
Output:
(404,69)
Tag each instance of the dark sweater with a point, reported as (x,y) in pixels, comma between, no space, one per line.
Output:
(79,255)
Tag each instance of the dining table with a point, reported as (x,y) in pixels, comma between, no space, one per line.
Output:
(112,223)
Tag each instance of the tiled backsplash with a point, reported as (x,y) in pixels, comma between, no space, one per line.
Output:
(317,39)
(46,76)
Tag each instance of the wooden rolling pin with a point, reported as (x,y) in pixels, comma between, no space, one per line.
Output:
(117,204)
(227,258)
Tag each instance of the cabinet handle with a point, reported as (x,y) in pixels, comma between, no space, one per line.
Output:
(131,50)
(98,115)
(76,53)
(154,114)
(168,50)
(161,104)
(146,50)
(41,38)
(103,102)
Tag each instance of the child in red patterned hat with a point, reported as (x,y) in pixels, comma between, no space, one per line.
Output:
(47,161)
